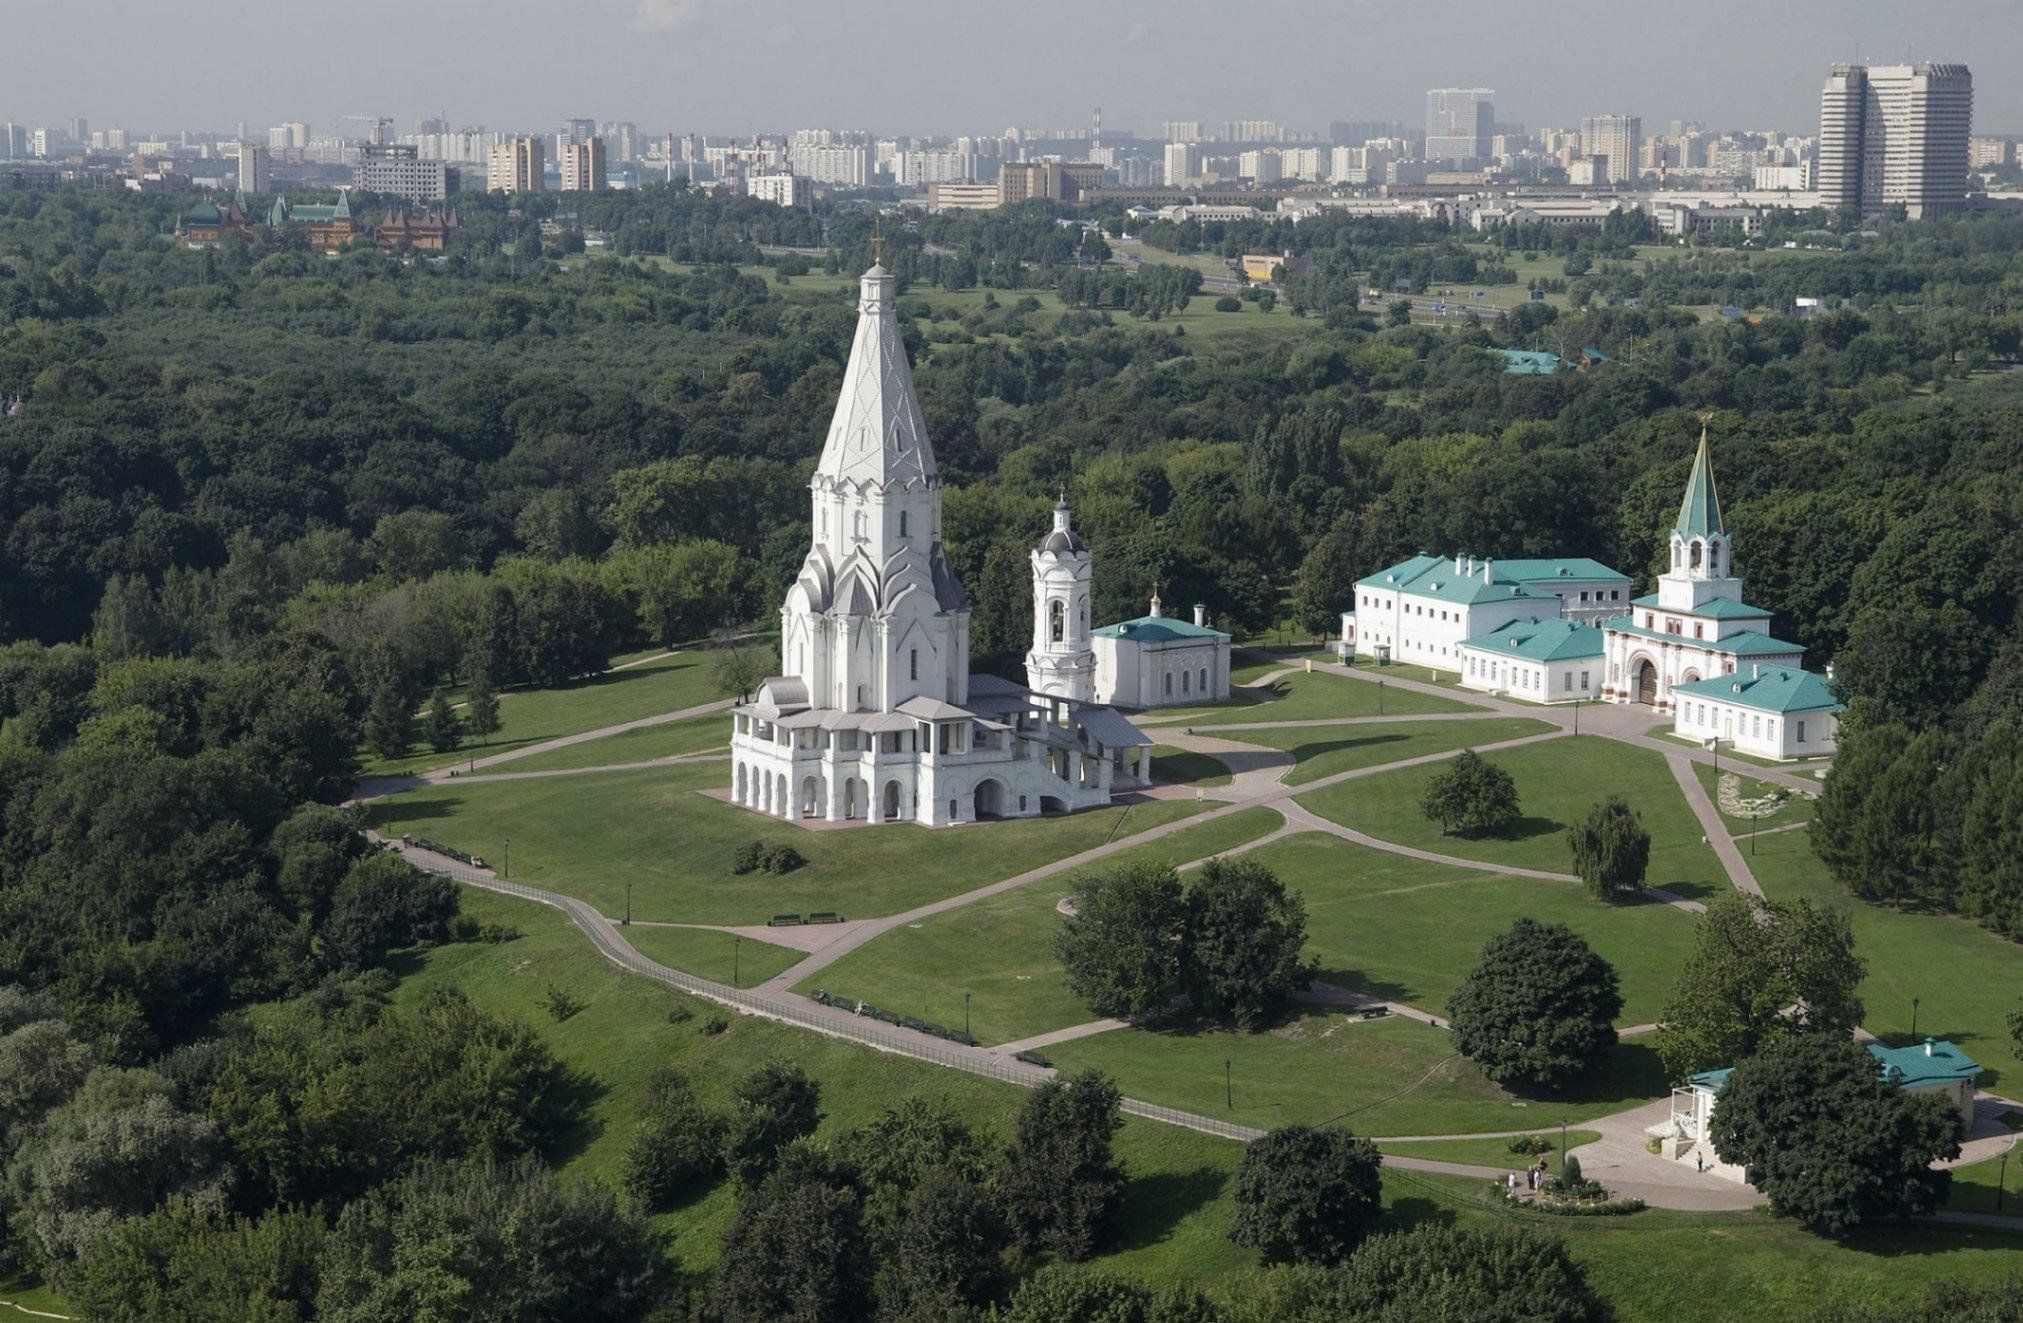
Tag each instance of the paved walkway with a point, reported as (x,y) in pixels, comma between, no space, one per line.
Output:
(1713,827)
(1620,1161)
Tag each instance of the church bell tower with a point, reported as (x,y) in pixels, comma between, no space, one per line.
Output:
(1062,662)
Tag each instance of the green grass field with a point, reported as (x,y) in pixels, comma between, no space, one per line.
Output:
(1976,1184)
(1308,697)
(1324,750)
(26,1294)
(999,949)
(1183,767)
(695,735)
(1558,781)
(590,835)
(529,716)
(1489,1152)
(719,957)
(1409,931)
(1964,978)
(1393,1076)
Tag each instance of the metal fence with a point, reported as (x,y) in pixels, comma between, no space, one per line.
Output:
(836,1024)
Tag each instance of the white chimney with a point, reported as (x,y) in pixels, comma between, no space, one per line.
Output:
(1488,567)
(1200,614)
(1457,562)
(1755,670)
(1928,1047)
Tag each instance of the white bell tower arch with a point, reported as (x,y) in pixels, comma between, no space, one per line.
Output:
(1062,661)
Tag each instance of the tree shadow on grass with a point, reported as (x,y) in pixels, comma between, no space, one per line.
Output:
(1305,753)
(1524,829)
(1700,891)
(573,1125)
(1355,980)
(1632,1074)
(1414,1210)
(398,813)
(1153,1206)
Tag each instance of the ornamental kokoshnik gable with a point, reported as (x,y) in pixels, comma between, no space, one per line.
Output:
(1695,649)
(876,715)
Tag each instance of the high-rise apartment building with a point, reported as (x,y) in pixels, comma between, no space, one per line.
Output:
(398,170)
(1894,135)
(583,165)
(516,165)
(1619,139)
(832,163)
(1181,130)
(1183,163)
(289,137)
(1252,130)
(13,142)
(254,167)
(575,131)
(1459,122)
(785,189)
(621,138)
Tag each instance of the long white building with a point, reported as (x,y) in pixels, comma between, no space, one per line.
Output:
(1421,610)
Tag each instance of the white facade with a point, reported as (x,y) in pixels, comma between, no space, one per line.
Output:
(1741,714)
(1420,610)
(784,189)
(876,714)
(1539,661)
(1155,661)
(1061,662)
(1893,134)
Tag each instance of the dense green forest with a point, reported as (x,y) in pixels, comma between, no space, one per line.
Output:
(252,496)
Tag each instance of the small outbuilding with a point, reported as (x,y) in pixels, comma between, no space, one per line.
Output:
(1156,661)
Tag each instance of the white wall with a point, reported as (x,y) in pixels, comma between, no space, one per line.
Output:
(1765,734)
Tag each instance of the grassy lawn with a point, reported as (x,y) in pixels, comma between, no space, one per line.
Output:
(1310,697)
(590,835)
(1184,767)
(1410,931)
(1795,808)
(1393,1076)
(1324,750)
(696,735)
(528,716)
(999,949)
(712,955)
(1965,978)
(1974,1186)
(29,1293)
(1489,1152)
(1557,783)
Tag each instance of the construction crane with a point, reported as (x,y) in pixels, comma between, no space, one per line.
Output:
(382,127)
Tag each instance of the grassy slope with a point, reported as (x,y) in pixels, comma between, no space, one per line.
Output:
(1309,697)
(696,735)
(1185,768)
(528,716)
(1392,1076)
(1410,931)
(1324,750)
(1489,1152)
(589,835)
(1975,1185)
(1557,783)
(999,950)
(712,955)
(1965,978)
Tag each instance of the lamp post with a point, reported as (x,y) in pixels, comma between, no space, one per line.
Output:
(628,902)
(508,874)
(1380,698)
(1562,1147)
(965,1015)
(2001,1179)
(1914,1019)
(737,944)
(1714,743)
(1228,1094)
(1576,716)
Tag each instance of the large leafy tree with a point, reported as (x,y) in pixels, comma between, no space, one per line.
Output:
(797,1249)
(1500,1274)
(676,1149)
(1120,947)
(1539,1008)
(180,1262)
(1758,973)
(1471,795)
(771,1107)
(1059,1181)
(488,1240)
(1306,1196)
(1829,1139)
(1611,850)
(1244,934)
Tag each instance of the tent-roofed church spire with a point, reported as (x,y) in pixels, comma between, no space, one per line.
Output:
(1700,512)
(877,434)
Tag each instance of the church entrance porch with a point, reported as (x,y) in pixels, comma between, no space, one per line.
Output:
(891,801)
(989,799)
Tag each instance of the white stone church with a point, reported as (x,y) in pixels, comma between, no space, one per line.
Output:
(877,715)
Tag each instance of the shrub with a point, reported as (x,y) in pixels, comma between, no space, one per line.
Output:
(715,1025)
(783,859)
(560,1004)
(749,857)
(1229,303)
(1531,1144)
(1471,796)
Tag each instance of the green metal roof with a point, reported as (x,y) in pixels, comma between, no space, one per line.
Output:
(1767,689)
(1436,577)
(1742,643)
(1720,608)
(1527,362)
(204,213)
(1158,629)
(1540,640)
(1700,512)
(1933,1061)
(1536,572)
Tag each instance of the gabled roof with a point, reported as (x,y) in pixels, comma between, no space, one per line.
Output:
(1436,577)
(932,709)
(1540,640)
(1933,1061)
(1719,608)
(1158,629)
(1700,512)
(1527,362)
(1533,572)
(877,434)
(1742,643)
(1766,689)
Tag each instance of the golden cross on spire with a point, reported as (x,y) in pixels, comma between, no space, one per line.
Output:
(878,239)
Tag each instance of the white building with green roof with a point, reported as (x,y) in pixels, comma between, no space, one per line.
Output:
(1156,661)
(1540,661)
(1421,610)
(1696,640)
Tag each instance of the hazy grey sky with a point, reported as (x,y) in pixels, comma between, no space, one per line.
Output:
(924,66)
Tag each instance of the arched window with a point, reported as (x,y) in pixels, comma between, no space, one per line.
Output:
(1184,679)
(1057,618)
(902,523)
(1169,684)
(913,663)
(1694,556)
(1204,679)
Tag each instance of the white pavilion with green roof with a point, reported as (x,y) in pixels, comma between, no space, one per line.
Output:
(1697,650)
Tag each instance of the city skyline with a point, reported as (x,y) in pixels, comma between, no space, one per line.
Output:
(705,66)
